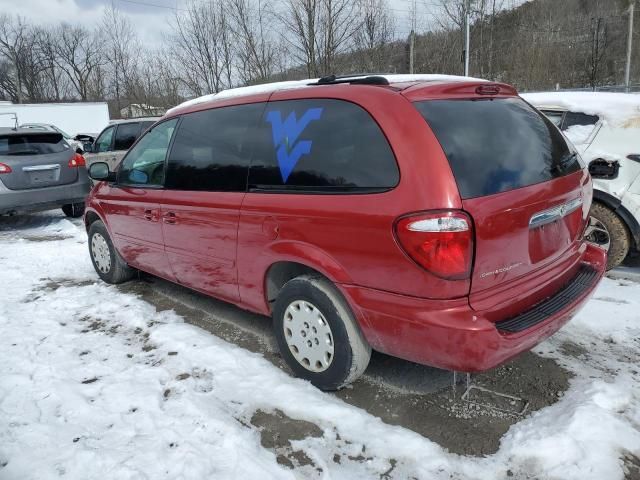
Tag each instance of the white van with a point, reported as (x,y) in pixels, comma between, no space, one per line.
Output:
(605,128)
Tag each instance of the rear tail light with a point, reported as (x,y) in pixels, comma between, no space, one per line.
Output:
(77,161)
(440,242)
(5,168)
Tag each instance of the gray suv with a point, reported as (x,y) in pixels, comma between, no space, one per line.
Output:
(39,170)
(114,141)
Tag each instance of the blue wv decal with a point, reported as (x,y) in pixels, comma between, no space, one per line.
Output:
(285,136)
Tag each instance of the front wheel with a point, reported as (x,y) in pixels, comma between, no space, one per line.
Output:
(318,335)
(108,263)
(607,230)
(73,210)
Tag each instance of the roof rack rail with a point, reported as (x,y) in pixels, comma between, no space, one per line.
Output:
(360,79)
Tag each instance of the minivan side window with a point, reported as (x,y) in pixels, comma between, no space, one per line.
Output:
(144,163)
(103,143)
(126,135)
(212,149)
(321,145)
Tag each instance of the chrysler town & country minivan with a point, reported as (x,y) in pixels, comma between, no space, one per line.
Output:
(435,219)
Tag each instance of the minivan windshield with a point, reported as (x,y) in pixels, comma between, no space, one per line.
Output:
(499,144)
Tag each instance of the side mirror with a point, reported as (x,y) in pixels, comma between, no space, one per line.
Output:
(87,147)
(100,171)
(138,176)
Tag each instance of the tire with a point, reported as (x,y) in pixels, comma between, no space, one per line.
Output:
(617,231)
(316,299)
(73,210)
(106,260)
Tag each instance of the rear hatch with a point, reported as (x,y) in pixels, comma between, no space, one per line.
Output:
(523,185)
(35,160)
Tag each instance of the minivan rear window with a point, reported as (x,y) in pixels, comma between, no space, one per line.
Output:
(495,145)
(32,144)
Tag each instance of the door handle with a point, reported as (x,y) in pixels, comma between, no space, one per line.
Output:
(169,218)
(151,215)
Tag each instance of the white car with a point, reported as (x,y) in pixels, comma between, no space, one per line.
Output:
(605,128)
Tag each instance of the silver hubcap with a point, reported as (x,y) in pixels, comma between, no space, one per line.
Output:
(308,335)
(100,252)
(597,233)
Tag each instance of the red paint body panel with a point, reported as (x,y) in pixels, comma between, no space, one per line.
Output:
(200,242)
(450,334)
(132,216)
(224,244)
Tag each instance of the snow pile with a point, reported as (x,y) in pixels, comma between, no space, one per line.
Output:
(616,108)
(275,86)
(579,134)
(95,383)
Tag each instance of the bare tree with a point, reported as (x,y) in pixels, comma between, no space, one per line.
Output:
(373,38)
(300,22)
(122,51)
(318,31)
(78,54)
(15,43)
(257,49)
(201,44)
(339,21)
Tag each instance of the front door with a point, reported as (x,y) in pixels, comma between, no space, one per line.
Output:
(132,204)
(102,147)
(205,185)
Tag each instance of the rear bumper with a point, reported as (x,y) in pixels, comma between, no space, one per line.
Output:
(38,199)
(450,334)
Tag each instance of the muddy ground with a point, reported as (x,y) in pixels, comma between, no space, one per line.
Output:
(417,397)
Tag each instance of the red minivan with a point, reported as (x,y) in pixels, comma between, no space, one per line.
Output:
(439,220)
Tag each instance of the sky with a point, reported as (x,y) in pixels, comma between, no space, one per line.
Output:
(151,17)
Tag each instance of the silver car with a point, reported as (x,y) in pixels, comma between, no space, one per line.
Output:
(39,171)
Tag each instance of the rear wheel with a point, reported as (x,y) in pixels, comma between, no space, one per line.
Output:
(317,333)
(73,210)
(607,230)
(106,260)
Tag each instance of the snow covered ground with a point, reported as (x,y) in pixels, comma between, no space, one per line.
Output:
(95,383)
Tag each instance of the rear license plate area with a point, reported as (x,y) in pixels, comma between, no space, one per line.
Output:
(41,177)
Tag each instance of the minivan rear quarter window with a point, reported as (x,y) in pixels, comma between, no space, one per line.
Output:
(495,145)
(321,145)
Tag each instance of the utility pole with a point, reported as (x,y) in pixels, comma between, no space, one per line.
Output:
(412,36)
(467,15)
(627,73)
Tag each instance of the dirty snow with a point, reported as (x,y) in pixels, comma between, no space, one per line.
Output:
(95,383)
(274,86)
(616,108)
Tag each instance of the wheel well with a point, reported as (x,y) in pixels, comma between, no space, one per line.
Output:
(280,273)
(89,218)
(627,217)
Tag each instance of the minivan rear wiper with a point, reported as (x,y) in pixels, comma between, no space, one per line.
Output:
(565,161)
